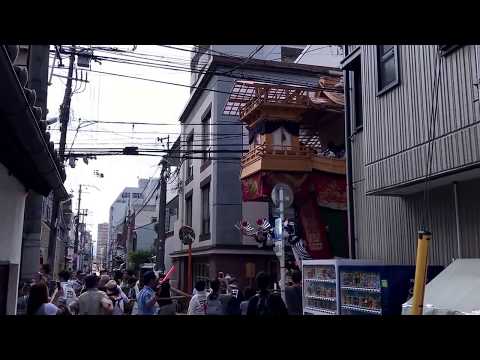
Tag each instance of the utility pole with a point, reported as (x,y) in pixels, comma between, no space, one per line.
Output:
(282,258)
(160,253)
(129,239)
(64,118)
(77,222)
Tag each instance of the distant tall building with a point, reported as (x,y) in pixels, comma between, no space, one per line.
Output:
(141,200)
(102,240)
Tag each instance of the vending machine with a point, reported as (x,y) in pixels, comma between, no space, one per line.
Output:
(377,289)
(321,285)
(357,287)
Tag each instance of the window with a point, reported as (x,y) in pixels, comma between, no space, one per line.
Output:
(201,271)
(188,210)
(387,67)
(205,212)
(46,209)
(167,220)
(189,155)
(206,136)
(125,195)
(289,54)
(137,195)
(172,217)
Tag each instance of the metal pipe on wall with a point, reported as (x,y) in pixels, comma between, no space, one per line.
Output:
(348,148)
(457,221)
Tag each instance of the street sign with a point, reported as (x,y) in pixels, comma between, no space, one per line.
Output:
(186,234)
(287,195)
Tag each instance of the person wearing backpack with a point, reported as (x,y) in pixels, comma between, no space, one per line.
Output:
(265,303)
(117,297)
(214,305)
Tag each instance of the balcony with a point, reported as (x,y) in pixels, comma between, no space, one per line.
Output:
(288,158)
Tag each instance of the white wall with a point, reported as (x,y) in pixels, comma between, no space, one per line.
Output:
(195,116)
(12,201)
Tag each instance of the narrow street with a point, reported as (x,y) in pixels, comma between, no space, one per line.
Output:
(239,180)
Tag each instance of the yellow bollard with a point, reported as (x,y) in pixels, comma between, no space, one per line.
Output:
(421,267)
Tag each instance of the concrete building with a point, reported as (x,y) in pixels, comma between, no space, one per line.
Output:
(406,104)
(37,222)
(141,200)
(27,163)
(202,54)
(319,55)
(102,240)
(210,198)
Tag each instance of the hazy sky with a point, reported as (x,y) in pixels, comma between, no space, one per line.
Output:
(111,98)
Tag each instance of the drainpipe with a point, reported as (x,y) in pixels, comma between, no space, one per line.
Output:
(457,221)
(348,148)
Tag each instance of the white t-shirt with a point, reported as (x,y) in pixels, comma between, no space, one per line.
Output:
(198,304)
(47,309)
(69,293)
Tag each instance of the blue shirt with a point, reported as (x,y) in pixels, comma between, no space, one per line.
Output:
(144,296)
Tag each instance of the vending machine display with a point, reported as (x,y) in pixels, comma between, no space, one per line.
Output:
(321,285)
(361,292)
(320,290)
(357,287)
(377,289)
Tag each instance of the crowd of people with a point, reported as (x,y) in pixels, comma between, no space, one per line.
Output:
(121,293)
(223,297)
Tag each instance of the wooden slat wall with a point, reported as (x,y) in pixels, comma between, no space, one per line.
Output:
(386,227)
(396,123)
(394,126)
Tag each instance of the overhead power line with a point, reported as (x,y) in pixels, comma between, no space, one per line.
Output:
(159,123)
(158,81)
(253,53)
(275,80)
